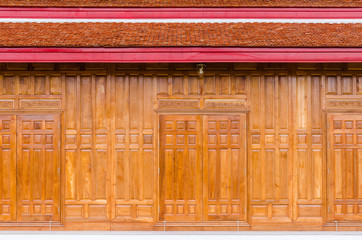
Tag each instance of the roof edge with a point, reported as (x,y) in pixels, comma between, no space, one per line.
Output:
(181,13)
(181,55)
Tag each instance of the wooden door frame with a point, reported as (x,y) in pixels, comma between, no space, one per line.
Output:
(329,194)
(61,160)
(157,193)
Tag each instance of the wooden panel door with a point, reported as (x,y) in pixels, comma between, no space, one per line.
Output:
(345,167)
(38,170)
(180,168)
(7,168)
(224,166)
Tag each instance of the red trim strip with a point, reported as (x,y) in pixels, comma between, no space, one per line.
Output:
(151,55)
(182,13)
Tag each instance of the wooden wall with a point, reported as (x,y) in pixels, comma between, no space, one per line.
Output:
(110,139)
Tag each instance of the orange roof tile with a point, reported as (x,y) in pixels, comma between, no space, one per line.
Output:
(119,35)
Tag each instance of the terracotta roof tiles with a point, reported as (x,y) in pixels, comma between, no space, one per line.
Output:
(119,35)
(181,3)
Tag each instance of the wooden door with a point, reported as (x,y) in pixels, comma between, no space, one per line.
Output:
(7,168)
(345,167)
(38,171)
(224,166)
(180,168)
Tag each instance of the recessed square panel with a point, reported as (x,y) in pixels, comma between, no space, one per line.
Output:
(348,124)
(235,139)
(5,209)
(180,125)
(123,210)
(26,139)
(120,139)
(169,140)
(255,139)
(26,125)
(25,210)
(6,139)
(144,211)
(49,125)
(224,209)
(180,209)
(223,139)
(192,209)
(37,209)
(38,125)
(223,125)
(85,139)
(49,139)
(316,139)
(147,139)
(49,209)
(101,139)
(191,140)
(349,209)
(349,138)
(70,139)
(212,209)
(337,139)
(359,139)
(338,210)
(169,125)
(337,124)
(212,139)
(359,124)
(5,125)
(211,125)
(133,138)
(168,209)
(37,139)
(269,139)
(235,209)
(302,139)
(180,139)
(284,138)
(235,125)
(191,125)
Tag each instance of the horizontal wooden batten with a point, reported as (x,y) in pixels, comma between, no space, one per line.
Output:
(182,13)
(181,55)
(343,104)
(224,104)
(6,104)
(40,104)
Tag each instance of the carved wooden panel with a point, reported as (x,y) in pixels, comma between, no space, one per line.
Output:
(224,168)
(7,168)
(133,149)
(270,152)
(308,138)
(180,168)
(38,168)
(345,167)
(87,148)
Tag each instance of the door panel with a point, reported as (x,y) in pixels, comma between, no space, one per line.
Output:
(345,167)
(7,168)
(224,168)
(180,168)
(37,168)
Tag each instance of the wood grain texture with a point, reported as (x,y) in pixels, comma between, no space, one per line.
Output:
(157,147)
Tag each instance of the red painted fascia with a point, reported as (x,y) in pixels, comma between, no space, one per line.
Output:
(180,55)
(182,13)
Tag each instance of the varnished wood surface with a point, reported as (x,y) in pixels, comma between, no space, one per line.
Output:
(157,147)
